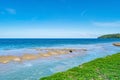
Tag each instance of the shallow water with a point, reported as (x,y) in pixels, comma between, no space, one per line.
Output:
(35,69)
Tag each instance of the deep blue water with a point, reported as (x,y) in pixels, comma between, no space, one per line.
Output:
(30,43)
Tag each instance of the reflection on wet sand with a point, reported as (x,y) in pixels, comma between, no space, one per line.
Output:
(47,53)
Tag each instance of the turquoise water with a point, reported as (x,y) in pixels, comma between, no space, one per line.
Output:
(35,69)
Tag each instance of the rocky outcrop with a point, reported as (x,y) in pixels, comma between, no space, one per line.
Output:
(116,44)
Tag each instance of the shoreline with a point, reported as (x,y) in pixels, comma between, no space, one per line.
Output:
(47,65)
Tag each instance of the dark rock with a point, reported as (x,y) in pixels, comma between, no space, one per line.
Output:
(70,51)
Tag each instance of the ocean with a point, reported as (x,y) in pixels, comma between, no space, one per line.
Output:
(35,69)
(31,43)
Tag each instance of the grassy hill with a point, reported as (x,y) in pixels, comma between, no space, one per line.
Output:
(107,68)
(110,36)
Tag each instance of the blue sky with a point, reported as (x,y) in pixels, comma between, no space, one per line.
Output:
(58,18)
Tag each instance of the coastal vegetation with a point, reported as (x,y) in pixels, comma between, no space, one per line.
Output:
(107,68)
(110,36)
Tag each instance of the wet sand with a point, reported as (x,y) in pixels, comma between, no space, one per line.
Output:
(47,53)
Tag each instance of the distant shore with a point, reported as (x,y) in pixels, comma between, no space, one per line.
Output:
(108,36)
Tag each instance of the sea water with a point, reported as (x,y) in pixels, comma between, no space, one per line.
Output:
(35,69)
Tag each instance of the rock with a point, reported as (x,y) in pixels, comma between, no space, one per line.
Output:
(116,44)
(70,51)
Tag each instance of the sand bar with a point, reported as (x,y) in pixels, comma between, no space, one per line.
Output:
(49,53)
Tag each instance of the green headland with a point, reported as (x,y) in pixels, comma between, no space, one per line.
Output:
(110,36)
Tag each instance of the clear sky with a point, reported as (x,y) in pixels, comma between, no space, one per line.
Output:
(58,18)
